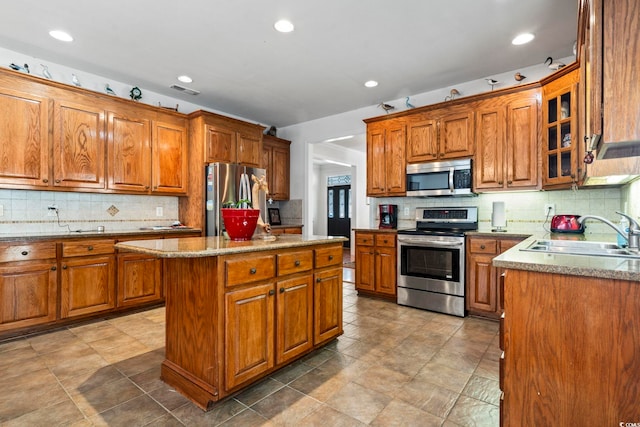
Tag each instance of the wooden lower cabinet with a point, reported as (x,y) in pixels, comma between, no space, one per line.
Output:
(222,337)
(139,279)
(286,230)
(482,291)
(376,259)
(87,285)
(570,350)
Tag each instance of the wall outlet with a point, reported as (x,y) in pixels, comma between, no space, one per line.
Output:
(51,210)
(1,210)
(549,209)
(159,211)
(406,211)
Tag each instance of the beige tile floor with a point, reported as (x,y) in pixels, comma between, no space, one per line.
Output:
(394,366)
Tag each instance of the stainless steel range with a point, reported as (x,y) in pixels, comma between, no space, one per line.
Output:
(431,259)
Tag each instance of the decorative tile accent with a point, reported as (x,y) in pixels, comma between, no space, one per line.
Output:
(113,210)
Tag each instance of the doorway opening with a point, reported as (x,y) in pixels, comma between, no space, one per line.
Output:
(339,207)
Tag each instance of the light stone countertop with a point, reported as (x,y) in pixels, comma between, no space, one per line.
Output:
(576,265)
(165,231)
(198,247)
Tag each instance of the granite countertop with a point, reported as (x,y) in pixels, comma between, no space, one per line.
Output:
(7,237)
(286,226)
(377,230)
(575,265)
(197,247)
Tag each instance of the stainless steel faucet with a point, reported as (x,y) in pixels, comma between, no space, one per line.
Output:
(633,236)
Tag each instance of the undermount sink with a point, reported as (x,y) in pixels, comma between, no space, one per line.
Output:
(578,247)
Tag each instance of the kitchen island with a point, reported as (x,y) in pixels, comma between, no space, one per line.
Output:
(239,310)
(570,336)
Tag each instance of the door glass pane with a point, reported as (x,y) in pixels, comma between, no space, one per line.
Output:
(349,203)
(342,203)
(330,204)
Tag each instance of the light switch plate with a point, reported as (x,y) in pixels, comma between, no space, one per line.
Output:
(406,211)
(1,210)
(159,211)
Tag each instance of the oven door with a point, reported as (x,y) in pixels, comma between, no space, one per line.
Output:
(431,264)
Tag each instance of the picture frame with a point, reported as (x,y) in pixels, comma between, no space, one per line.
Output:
(274,216)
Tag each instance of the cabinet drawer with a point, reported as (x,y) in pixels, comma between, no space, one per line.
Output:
(243,270)
(90,247)
(364,239)
(386,240)
(10,252)
(483,246)
(328,256)
(295,262)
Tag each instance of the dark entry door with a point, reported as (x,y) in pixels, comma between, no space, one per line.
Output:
(339,211)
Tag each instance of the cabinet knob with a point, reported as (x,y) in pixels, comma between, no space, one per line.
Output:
(330,257)
(45,180)
(282,290)
(297,263)
(89,248)
(272,292)
(509,182)
(481,246)
(57,181)
(318,280)
(385,240)
(253,271)
(25,253)
(64,267)
(53,268)
(499,182)
(146,187)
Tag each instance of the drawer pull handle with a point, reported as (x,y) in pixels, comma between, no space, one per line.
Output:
(481,246)
(253,271)
(297,263)
(90,248)
(53,268)
(25,253)
(282,290)
(272,292)
(330,257)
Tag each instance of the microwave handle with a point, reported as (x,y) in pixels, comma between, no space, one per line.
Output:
(451,180)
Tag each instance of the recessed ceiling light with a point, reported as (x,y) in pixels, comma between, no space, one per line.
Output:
(61,35)
(185,79)
(371,83)
(522,39)
(283,26)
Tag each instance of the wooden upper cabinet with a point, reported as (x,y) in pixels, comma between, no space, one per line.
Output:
(249,149)
(507,142)
(129,149)
(220,144)
(24,137)
(79,144)
(169,156)
(276,161)
(386,161)
(446,133)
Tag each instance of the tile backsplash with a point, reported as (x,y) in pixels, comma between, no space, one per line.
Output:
(524,210)
(27,211)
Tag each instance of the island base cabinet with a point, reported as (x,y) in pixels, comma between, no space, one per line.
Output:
(139,279)
(294,317)
(571,350)
(28,294)
(327,296)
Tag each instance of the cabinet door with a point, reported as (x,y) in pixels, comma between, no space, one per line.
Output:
(295,317)
(280,172)
(78,145)
(376,164)
(169,154)
(249,333)
(522,146)
(139,279)
(220,144)
(395,171)
(24,139)
(129,148)
(482,284)
(490,144)
(385,270)
(327,302)
(27,293)
(422,141)
(87,285)
(456,135)
(249,149)
(365,268)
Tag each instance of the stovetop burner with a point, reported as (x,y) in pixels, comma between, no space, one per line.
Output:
(425,232)
(444,221)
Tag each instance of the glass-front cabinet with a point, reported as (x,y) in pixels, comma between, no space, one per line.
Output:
(560,126)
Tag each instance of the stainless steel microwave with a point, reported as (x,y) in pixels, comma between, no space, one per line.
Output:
(448,178)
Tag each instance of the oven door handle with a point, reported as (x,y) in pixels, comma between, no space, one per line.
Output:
(430,243)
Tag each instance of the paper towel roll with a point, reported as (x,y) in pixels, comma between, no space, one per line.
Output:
(498,216)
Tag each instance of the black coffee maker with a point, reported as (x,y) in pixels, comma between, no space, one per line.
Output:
(388,216)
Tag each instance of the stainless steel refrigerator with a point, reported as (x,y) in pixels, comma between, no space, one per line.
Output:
(222,185)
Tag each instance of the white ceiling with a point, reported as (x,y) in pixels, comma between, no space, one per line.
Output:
(242,66)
